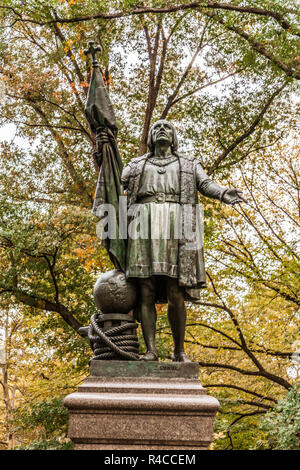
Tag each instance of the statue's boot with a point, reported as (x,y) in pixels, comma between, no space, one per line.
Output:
(150,356)
(180,357)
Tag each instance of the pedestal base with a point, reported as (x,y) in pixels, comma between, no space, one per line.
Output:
(141,405)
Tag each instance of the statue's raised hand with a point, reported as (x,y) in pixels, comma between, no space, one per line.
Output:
(233,196)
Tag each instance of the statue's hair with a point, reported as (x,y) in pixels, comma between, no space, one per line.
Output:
(174,144)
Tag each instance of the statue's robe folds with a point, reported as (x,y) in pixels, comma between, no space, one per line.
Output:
(192,178)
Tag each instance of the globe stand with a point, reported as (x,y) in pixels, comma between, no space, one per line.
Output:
(113,336)
(112,332)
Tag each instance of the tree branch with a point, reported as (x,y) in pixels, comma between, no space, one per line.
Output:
(268,352)
(206,85)
(274,378)
(70,54)
(247,133)
(63,153)
(278,17)
(258,47)
(236,387)
(184,76)
(154,82)
(36,301)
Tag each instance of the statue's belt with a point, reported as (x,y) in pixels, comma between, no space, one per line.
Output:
(159,198)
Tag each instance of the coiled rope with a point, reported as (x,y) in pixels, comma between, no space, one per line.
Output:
(111,344)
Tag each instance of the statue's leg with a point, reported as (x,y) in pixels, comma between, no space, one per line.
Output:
(148,317)
(177,318)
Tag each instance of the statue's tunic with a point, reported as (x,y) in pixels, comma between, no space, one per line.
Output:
(166,197)
(155,249)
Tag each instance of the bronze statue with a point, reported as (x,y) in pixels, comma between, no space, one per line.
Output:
(162,190)
(165,180)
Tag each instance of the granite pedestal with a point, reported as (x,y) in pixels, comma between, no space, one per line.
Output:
(141,405)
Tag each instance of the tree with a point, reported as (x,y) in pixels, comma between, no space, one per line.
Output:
(225,74)
(38,365)
(8,384)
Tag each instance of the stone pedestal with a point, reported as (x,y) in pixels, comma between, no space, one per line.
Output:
(141,405)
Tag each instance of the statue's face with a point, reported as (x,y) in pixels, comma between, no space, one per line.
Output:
(162,132)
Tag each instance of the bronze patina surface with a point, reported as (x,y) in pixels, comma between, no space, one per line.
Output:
(160,186)
(144,369)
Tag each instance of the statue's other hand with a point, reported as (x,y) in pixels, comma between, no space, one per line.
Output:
(233,196)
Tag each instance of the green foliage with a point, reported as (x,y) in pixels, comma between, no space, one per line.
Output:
(51,444)
(283,423)
(48,422)
(50,417)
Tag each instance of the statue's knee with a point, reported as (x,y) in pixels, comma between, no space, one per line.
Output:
(175,295)
(147,292)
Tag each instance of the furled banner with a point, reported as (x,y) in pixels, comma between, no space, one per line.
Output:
(101,117)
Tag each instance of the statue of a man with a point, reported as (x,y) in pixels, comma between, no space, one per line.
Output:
(169,267)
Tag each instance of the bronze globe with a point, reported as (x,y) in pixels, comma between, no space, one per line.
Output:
(113,293)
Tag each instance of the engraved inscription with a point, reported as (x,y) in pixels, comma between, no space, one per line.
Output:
(167,367)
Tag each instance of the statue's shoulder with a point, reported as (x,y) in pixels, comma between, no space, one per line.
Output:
(186,156)
(134,167)
(188,162)
(134,161)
